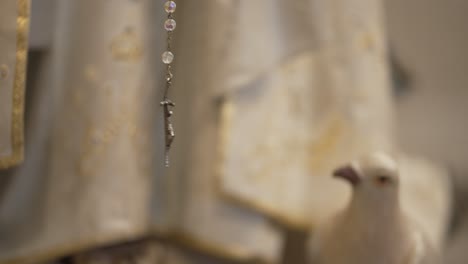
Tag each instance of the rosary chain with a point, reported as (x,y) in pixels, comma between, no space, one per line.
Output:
(167,58)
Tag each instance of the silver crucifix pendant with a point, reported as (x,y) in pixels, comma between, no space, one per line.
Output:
(169,129)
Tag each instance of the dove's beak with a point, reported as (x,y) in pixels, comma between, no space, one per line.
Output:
(348,173)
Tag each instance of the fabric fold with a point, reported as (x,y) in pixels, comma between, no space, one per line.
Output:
(316,95)
(92,176)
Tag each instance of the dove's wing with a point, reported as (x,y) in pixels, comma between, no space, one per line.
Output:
(422,252)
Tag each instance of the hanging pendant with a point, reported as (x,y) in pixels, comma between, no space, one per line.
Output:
(169,129)
(167,58)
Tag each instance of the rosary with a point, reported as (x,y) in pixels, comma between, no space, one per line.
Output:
(167,58)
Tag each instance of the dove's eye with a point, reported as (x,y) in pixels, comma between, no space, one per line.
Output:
(382,180)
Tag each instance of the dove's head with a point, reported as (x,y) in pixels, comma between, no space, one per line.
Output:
(373,176)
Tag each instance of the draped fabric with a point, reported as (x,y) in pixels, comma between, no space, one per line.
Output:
(205,218)
(316,96)
(92,161)
(94,172)
(14,24)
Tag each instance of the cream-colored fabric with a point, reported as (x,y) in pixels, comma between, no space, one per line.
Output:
(24,188)
(14,23)
(94,171)
(314,96)
(207,220)
(102,169)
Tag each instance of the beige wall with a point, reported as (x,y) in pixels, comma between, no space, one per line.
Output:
(430,38)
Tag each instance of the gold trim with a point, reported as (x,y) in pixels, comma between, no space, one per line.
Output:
(227,111)
(190,242)
(17,137)
(179,238)
(65,250)
(275,215)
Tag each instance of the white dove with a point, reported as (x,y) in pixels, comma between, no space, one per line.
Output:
(372,229)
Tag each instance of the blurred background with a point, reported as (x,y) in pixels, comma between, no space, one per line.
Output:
(270,95)
(428,38)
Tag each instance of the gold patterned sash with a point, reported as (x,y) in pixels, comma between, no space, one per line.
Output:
(14,24)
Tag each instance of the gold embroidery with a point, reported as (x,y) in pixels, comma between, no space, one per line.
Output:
(126,46)
(227,112)
(91,73)
(4,71)
(324,147)
(97,139)
(22,27)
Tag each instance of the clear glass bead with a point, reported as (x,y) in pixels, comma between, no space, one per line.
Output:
(167,57)
(170,6)
(170,24)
